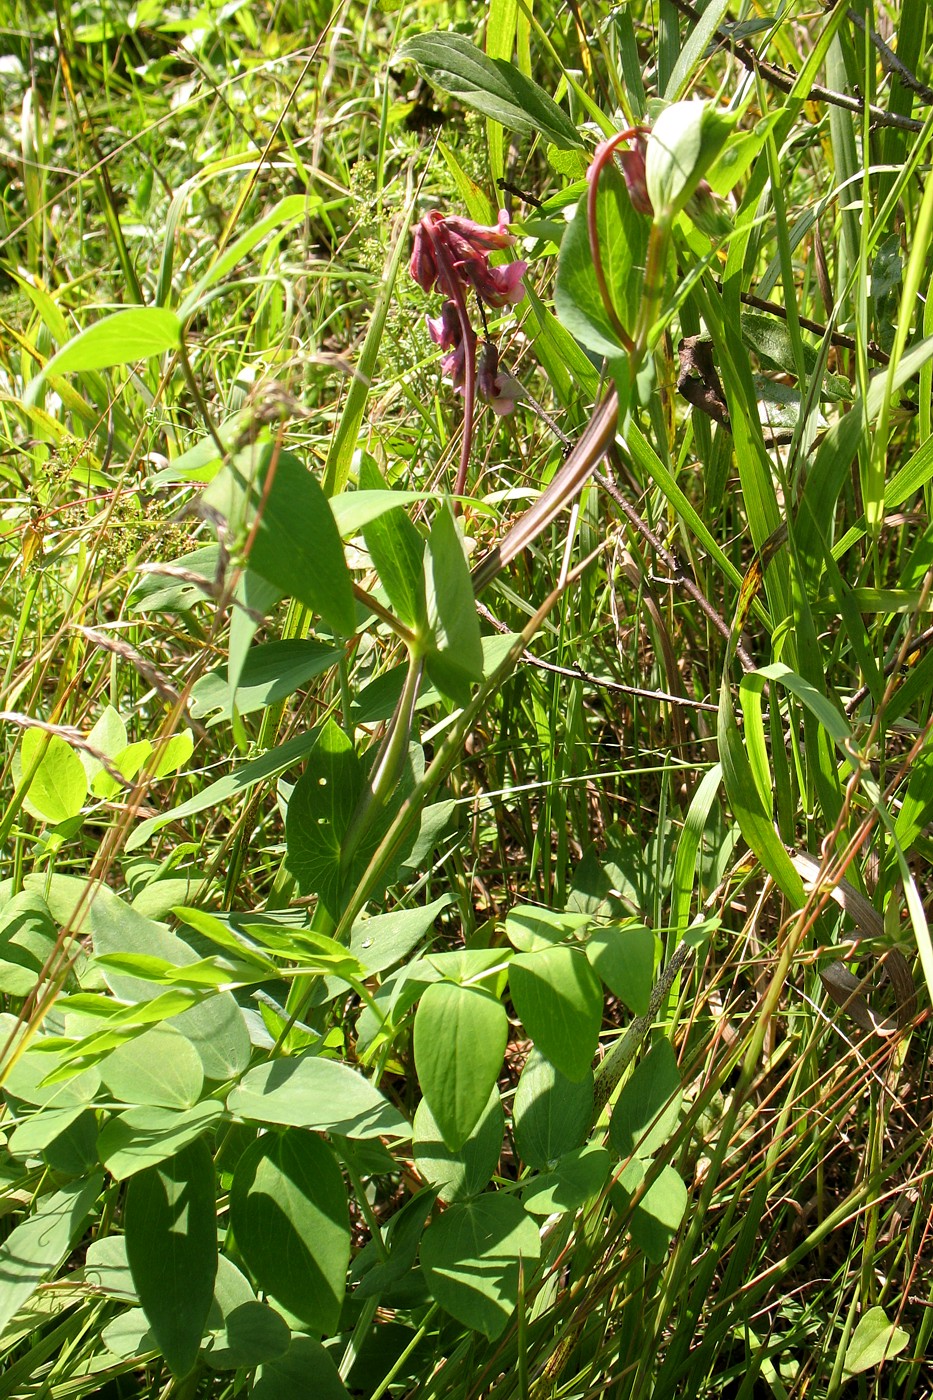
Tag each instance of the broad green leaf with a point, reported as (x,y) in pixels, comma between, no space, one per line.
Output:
(34,1249)
(170,1228)
(460,1036)
(560,1002)
(455,659)
(129,762)
(28,935)
(306,1372)
(269,673)
(657,1216)
(320,810)
(529,928)
(141,1138)
(215,1027)
(623,240)
(874,1341)
(294,541)
(309,1092)
(397,550)
(624,958)
(575,1179)
(472,1257)
(291,1221)
(740,150)
(155,592)
(137,333)
(354,510)
(73,1153)
(129,1335)
(465,1172)
(25,1079)
(160,1067)
(241,1331)
(108,736)
(648,1108)
(33,1135)
(59,784)
(551,1114)
(493,87)
(174,754)
(385,939)
(106,1267)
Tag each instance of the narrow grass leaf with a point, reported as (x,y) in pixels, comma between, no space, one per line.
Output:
(122,338)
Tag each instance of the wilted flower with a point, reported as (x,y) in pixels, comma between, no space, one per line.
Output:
(499,390)
(707,213)
(632,162)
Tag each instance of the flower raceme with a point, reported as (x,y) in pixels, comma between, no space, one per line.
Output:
(451,255)
(450,250)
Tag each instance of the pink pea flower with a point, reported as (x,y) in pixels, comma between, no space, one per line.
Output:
(502,286)
(445,329)
(633,173)
(452,248)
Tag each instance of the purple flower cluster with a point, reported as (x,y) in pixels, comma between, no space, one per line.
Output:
(451,255)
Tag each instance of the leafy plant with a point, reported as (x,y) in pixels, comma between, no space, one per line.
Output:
(449,950)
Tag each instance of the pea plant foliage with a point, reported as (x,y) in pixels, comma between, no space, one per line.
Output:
(344,1139)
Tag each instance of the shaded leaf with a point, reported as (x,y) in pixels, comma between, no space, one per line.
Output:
(171,1244)
(472,1256)
(575,1179)
(551,1114)
(34,1249)
(493,87)
(291,1220)
(648,1107)
(305,1372)
(465,1172)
